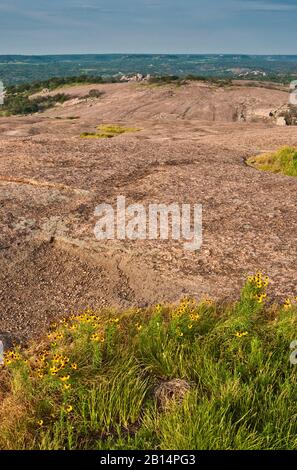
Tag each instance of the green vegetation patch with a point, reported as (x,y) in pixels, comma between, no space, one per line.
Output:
(283,161)
(21,103)
(57,82)
(18,98)
(190,376)
(108,131)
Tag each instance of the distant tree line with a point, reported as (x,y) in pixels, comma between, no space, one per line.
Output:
(56,82)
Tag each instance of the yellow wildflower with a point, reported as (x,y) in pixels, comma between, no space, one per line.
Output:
(96,337)
(287,304)
(241,334)
(194,316)
(64,378)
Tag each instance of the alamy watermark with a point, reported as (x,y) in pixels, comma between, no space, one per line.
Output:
(293,92)
(157,221)
(1,353)
(293,355)
(2,93)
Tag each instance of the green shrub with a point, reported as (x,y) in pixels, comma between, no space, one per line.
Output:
(95,93)
(23,104)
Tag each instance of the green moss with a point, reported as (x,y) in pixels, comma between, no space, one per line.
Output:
(116,129)
(283,161)
(108,131)
(94,135)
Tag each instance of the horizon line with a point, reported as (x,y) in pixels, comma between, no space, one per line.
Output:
(149,53)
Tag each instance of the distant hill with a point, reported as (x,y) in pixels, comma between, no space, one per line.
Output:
(20,68)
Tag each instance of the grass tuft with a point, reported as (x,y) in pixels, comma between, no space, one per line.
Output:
(283,161)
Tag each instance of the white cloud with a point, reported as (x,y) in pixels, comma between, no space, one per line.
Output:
(262,5)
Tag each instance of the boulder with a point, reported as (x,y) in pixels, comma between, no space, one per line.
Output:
(280,121)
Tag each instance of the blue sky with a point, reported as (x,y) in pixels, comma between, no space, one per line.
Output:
(157,26)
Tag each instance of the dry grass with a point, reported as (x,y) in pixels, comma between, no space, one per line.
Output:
(171,392)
